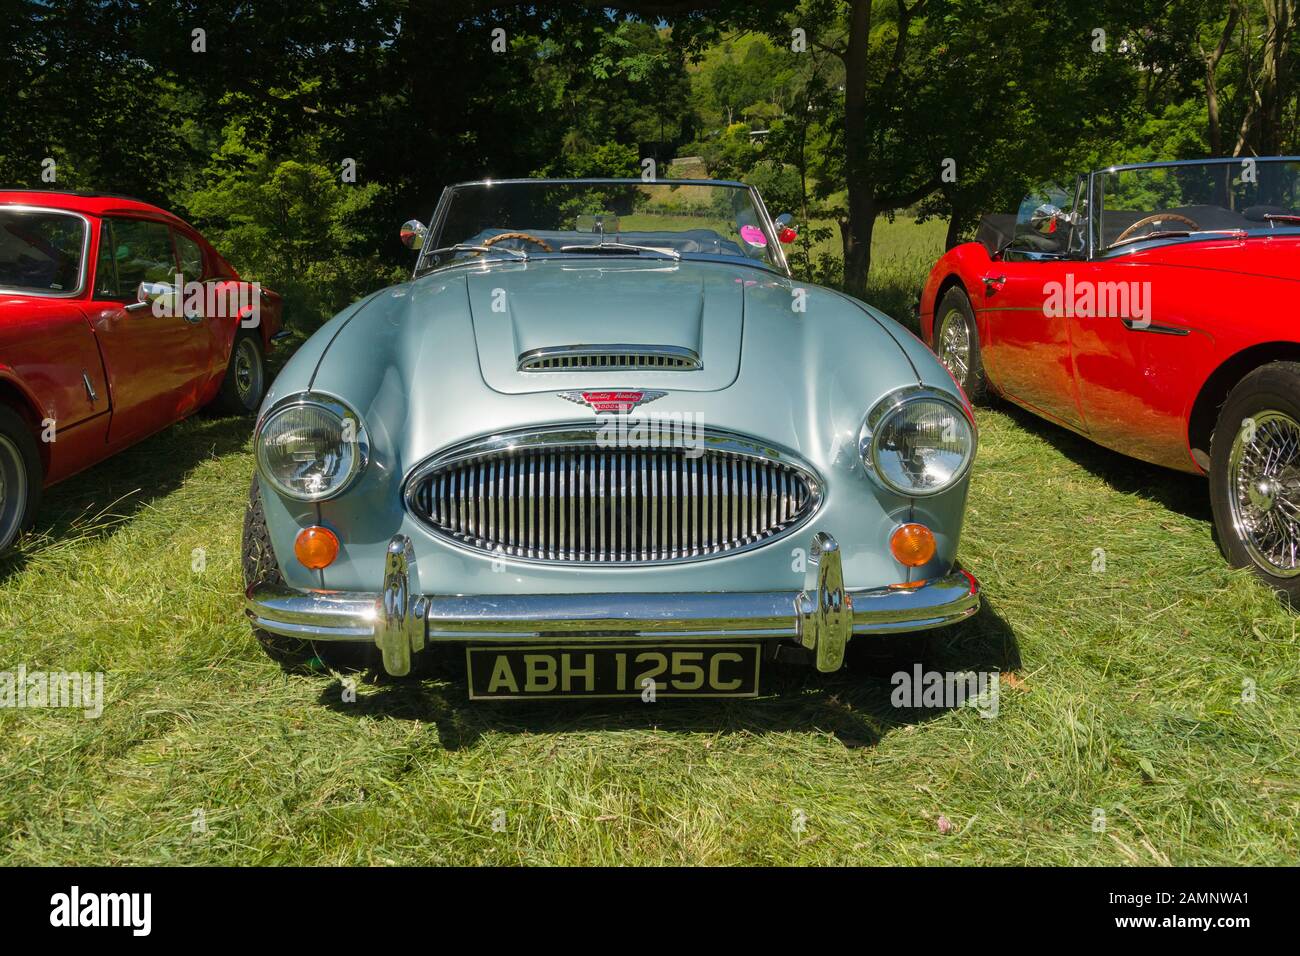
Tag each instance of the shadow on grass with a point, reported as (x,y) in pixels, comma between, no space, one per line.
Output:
(1178,491)
(96,502)
(853,704)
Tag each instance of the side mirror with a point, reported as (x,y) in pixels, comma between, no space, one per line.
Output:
(147,293)
(785,233)
(413,233)
(1046,219)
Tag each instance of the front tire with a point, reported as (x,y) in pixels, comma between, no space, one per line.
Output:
(957,343)
(245,382)
(20,477)
(1255,477)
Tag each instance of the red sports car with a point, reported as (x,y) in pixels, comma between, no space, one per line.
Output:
(100,348)
(1157,316)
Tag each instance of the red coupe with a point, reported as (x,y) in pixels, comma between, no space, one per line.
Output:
(99,347)
(1157,317)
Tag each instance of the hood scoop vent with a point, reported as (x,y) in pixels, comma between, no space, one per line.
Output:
(610,358)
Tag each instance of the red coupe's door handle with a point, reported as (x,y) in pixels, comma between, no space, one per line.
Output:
(993,284)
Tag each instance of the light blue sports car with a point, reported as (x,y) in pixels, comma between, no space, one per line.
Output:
(603,441)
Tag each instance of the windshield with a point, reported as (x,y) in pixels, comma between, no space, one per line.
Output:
(633,219)
(1255,196)
(40,251)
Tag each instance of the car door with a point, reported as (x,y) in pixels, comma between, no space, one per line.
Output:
(156,363)
(1026,292)
(1141,357)
(1029,352)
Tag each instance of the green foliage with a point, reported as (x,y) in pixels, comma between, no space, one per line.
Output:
(730,153)
(292,223)
(778,183)
(607,159)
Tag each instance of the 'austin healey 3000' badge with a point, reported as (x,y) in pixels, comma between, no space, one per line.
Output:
(618,402)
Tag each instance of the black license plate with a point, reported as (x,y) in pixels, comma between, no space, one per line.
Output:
(612,670)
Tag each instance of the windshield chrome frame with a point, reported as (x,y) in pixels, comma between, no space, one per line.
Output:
(84,266)
(438,220)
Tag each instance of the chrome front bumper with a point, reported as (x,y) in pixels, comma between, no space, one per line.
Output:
(822,617)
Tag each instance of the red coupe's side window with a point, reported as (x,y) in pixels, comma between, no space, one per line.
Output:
(132,251)
(191,256)
(105,266)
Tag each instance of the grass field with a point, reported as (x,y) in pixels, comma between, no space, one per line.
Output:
(1125,691)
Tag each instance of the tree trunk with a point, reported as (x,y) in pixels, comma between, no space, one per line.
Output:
(1275,91)
(855,234)
(859,220)
(1212,83)
(1261,127)
(956,223)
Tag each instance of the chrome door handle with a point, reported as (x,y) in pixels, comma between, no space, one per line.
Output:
(1145,325)
(994,284)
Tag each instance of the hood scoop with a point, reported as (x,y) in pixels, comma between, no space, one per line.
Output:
(610,358)
(548,325)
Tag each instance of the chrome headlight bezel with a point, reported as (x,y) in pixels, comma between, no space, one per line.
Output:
(891,404)
(332,406)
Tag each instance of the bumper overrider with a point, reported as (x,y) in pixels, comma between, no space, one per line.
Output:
(821,617)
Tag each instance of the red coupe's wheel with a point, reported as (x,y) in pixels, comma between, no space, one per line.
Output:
(20,476)
(245,382)
(957,343)
(1255,476)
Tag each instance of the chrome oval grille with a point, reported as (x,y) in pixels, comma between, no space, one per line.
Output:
(598,505)
(610,358)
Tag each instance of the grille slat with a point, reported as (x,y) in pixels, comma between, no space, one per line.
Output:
(610,359)
(605,506)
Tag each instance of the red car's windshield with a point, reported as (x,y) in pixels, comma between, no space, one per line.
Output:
(1250,196)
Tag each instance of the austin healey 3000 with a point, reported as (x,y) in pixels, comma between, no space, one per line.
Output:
(603,441)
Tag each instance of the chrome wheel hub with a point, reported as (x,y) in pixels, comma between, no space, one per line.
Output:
(1264,491)
(954,344)
(248,370)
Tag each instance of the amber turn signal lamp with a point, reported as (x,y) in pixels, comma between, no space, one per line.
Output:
(912,545)
(316,547)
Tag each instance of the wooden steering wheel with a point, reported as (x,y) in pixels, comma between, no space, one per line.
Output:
(1158,217)
(525,236)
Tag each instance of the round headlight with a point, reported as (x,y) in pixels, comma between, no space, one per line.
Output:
(311,448)
(917,442)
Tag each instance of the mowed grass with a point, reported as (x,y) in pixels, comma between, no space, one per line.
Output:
(1160,689)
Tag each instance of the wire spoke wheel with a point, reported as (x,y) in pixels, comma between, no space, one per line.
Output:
(1264,490)
(954,344)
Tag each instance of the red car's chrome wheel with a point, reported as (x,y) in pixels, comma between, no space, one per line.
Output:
(954,344)
(1264,490)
